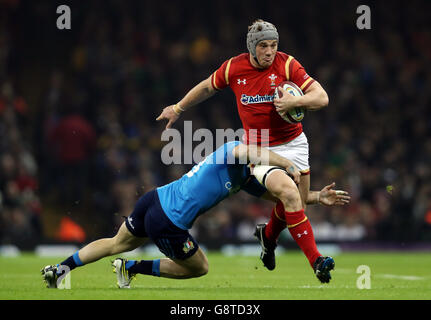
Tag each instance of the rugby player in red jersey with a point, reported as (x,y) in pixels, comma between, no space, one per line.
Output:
(253,77)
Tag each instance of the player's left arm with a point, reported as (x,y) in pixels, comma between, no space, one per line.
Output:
(314,98)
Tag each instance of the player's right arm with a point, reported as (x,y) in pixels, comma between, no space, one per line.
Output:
(263,156)
(199,93)
(204,90)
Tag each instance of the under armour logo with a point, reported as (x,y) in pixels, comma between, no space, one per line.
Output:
(241,81)
(299,235)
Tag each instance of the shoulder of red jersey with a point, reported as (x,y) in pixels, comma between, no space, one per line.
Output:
(295,72)
(220,78)
(282,55)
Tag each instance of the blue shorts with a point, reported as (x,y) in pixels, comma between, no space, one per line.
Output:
(148,220)
(253,187)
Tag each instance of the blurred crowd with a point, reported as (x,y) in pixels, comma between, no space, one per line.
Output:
(78,109)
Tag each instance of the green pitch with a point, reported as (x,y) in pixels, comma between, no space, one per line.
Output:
(392,276)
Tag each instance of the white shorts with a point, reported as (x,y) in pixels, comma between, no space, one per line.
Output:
(296,151)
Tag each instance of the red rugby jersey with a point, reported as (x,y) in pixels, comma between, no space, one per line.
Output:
(254,90)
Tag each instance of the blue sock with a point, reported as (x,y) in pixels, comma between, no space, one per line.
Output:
(130,263)
(151,267)
(73,261)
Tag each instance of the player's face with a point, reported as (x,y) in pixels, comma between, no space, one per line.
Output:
(265,52)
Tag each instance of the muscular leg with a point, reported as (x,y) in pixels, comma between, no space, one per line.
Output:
(303,187)
(195,266)
(283,187)
(123,241)
(192,267)
(283,191)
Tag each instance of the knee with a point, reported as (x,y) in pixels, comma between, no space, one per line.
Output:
(201,270)
(119,245)
(286,192)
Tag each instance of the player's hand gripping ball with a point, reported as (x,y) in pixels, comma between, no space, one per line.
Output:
(294,115)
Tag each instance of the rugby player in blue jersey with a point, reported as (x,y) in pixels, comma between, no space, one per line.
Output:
(165,214)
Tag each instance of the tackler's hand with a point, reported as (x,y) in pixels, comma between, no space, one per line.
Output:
(294,173)
(330,197)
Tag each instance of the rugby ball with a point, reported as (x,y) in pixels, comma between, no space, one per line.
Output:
(295,115)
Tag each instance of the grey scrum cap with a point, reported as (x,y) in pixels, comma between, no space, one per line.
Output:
(258,31)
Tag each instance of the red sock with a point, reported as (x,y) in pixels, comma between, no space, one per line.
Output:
(302,233)
(276,224)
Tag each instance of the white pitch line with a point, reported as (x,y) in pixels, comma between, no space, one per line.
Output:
(395,276)
(383,275)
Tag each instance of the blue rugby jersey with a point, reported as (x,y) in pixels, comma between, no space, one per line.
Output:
(203,187)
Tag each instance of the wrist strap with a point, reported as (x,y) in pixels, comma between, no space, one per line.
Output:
(177,109)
